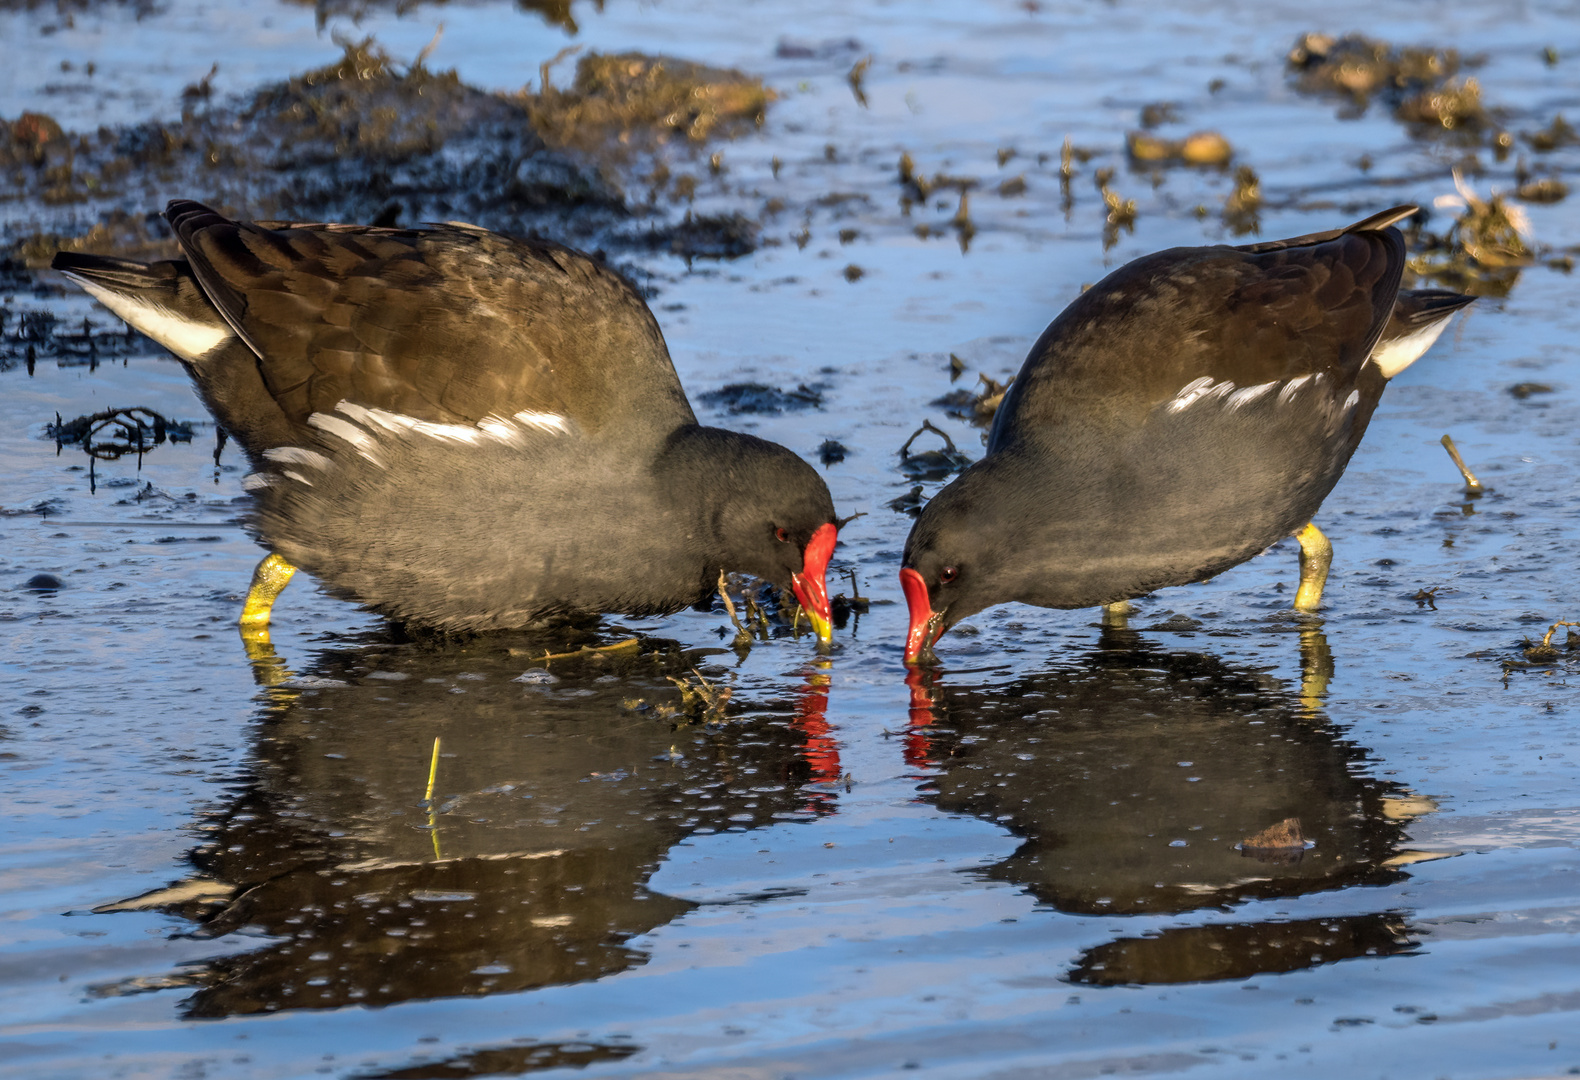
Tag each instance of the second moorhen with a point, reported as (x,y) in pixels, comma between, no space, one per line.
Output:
(1179,417)
(460,430)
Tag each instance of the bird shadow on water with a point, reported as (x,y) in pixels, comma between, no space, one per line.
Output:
(1153,782)
(423,820)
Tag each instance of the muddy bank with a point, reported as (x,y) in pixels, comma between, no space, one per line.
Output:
(610,162)
(372,140)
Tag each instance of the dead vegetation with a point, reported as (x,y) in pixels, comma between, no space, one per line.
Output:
(1423,86)
(1207,149)
(637,100)
(1482,252)
(369,139)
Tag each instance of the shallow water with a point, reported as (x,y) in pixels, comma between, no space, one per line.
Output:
(1027,866)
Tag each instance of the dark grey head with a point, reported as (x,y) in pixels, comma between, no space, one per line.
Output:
(768,512)
(958,558)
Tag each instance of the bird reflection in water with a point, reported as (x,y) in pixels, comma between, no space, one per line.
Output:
(556,795)
(1148,781)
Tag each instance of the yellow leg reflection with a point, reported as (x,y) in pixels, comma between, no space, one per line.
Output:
(1316,668)
(271,575)
(1316,555)
(267,667)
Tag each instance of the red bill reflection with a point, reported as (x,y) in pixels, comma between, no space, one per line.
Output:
(918,748)
(820,749)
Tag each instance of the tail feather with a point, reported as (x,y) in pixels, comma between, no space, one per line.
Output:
(161,300)
(1421,307)
(122,275)
(1419,316)
(1383,219)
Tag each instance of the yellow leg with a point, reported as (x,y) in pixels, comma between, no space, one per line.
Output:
(1117,614)
(271,576)
(1316,555)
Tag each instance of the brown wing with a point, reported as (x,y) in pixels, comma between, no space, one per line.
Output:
(449,324)
(1251,315)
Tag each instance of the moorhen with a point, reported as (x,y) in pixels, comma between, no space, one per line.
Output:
(460,430)
(1176,419)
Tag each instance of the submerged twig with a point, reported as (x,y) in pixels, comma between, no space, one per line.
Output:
(1472,485)
(927,425)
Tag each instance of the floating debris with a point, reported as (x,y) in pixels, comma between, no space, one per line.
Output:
(853,273)
(910,503)
(931,464)
(962,223)
(114,433)
(752,397)
(1456,105)
(832,452)
(1015,185)
(1159,113)
(1557,134)
(633,97)
(706,236)
(1526,389)
(1284,842)
(1200,148)
(43,584)
(1546,190)
(1485,249)
(1242,210)
(1545,650)
(856,76)
(702,701)
(979,407)
(1119,212)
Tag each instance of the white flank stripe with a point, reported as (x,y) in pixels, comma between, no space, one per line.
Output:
(1244,397)
(493,426)
(189,340)
(297,455)
(544,421)
(1394,356)
(1349,402)
(446,432)
(298,477)
(497,428)
(360,439)
(1292,387)
(1195,390)
(256,481)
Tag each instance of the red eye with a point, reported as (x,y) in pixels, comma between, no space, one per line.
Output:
(948,574)
(782,535)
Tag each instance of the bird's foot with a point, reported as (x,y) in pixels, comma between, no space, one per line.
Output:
(270,576)
(1316,556)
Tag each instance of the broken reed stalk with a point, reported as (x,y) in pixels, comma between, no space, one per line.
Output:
(927,425)
(1547,639)
(589,650)
(1472,485)
(433,772)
